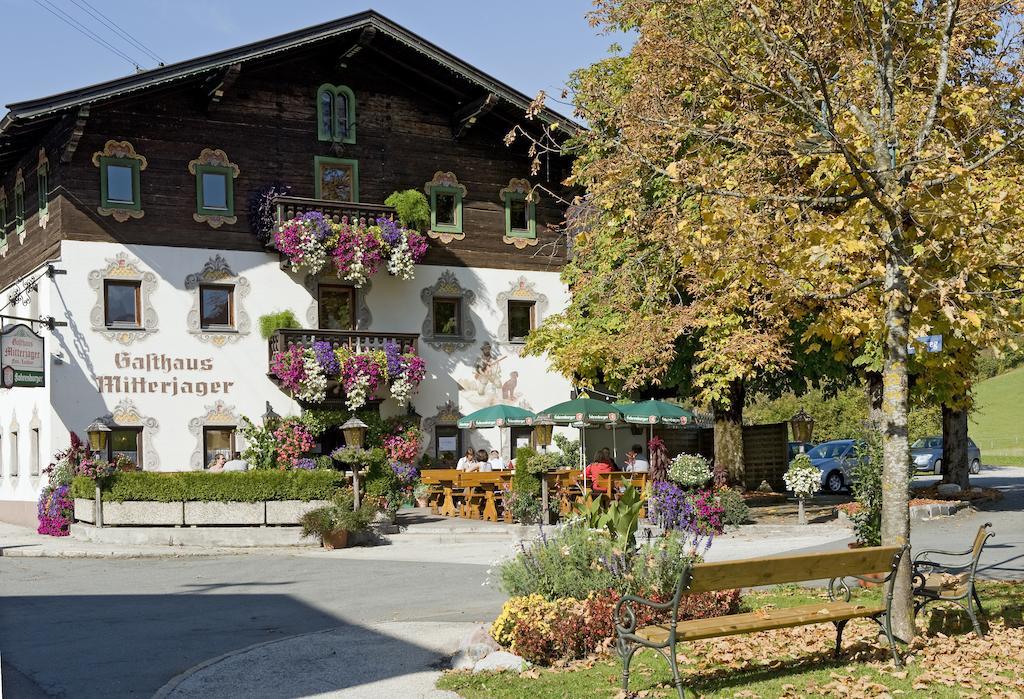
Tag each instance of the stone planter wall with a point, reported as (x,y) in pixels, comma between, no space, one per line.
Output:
(204,514)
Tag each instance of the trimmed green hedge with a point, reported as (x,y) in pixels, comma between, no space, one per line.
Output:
(248,486)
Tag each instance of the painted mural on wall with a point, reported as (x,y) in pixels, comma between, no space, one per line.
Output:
(493,380)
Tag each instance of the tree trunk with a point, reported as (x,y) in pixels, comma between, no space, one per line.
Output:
(729,438)
(895,447)
(955,467)
(874,391)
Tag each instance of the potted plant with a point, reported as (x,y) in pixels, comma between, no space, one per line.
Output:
(335,522)
(421,491)
(804,479)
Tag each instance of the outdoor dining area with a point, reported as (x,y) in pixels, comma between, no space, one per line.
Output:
(487,493)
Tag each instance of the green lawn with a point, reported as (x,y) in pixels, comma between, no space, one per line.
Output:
(947,661)
(997,421)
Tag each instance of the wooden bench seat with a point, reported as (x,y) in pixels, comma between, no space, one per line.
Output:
(754,572)
(750,622)
(949,577)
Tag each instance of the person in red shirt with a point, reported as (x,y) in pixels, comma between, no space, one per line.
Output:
(600,465)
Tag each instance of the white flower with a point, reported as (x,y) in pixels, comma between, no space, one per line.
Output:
(356,394)
(400,262)
(802,477)
(314,253)
(690,470)
(401,389)
(314,387)
(356,270)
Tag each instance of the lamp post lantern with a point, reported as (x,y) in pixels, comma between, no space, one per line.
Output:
(270,418)
(802,425)
(98,433)
(542,431)
(355,433)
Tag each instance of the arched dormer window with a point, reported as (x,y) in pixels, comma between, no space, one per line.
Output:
(336,114)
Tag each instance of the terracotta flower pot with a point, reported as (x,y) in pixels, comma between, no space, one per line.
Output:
(338,539)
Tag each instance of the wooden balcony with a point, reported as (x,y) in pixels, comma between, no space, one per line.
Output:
(337,211)
(354,340)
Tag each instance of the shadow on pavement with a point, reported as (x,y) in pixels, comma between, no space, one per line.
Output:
(131,645)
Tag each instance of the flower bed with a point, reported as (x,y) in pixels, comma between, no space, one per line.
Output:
(356,250)
(306,372)
(202,486)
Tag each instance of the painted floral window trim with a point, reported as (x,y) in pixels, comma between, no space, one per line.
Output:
(125,150)
(218,271)
(123,267)
(446,181)
(215,157)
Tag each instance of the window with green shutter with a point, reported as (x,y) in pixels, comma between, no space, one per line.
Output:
(336,114)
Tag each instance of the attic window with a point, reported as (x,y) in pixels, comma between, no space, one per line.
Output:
(19,204)
(336,114)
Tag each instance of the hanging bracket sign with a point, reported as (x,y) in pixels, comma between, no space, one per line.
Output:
(22,358)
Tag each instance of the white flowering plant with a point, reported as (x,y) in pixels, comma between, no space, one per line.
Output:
(690,470)
(802,477)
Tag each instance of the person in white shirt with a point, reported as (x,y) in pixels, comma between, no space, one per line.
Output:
(635,461)
(466,461)
(482,464)
(236,463)
(496,463)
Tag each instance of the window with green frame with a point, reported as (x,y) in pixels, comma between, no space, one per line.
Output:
(3,217)
(43,187)
(446,209)
(520,216)
(336,179)
(120,183)
(215,190)
(335,114)
(19,207)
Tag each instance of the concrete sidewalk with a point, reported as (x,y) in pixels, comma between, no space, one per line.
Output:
(393,659)
(21,542)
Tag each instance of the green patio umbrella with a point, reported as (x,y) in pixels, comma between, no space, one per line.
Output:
(580,413)
(656,412)
(497,416)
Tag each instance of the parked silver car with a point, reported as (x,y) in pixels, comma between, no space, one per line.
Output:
(926,455)
(835,460)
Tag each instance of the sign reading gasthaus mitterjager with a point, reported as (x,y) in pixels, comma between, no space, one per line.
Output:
(22,357)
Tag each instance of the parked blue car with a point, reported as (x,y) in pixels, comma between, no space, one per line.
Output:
(926,455)
(835,460)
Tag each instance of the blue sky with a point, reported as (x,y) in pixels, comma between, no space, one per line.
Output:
(529,44)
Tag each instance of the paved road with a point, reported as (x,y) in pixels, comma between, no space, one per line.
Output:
(1003,556)
(123,628)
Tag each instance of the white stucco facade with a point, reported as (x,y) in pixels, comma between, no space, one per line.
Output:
(171,377)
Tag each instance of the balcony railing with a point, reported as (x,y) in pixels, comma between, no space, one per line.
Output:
(354,340)
(337,211)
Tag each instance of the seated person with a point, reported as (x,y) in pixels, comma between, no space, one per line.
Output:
(606,454)
(497,464)
(217,465)
(635,461)
(600,465)
(236,463)
(469,458)
(482,464)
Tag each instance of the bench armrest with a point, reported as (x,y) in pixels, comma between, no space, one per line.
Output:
(927,552)
(625,617)
(943,566)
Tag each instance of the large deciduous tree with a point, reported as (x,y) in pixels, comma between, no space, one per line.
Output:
(856,163)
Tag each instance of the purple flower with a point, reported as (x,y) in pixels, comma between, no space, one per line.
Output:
(326,358)
(389,231)
(406,473)
(321,229)
(305,464)
(394,358)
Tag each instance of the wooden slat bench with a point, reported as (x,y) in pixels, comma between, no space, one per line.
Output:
(442,483)
(754,572)
(949,577)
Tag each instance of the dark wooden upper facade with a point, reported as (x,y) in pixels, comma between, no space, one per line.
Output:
(414,117)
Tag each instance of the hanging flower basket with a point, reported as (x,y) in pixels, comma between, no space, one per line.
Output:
(355,250)
(363,376)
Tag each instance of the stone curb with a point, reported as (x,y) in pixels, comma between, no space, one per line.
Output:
(201,553)
(923,513)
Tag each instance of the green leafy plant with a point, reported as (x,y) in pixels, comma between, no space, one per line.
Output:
(524,481)
(261,445)
(280,320)
(341,515)
(734,508)
(412,208)
(867,491)
(623,516)
(802,477)
(568,452)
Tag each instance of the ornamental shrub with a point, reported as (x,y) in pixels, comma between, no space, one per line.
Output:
(867,491)
(568,452)
(690,470)
(524,481)
(191,486)
(279,320)
(411,207)
(734,508)
(568,564)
